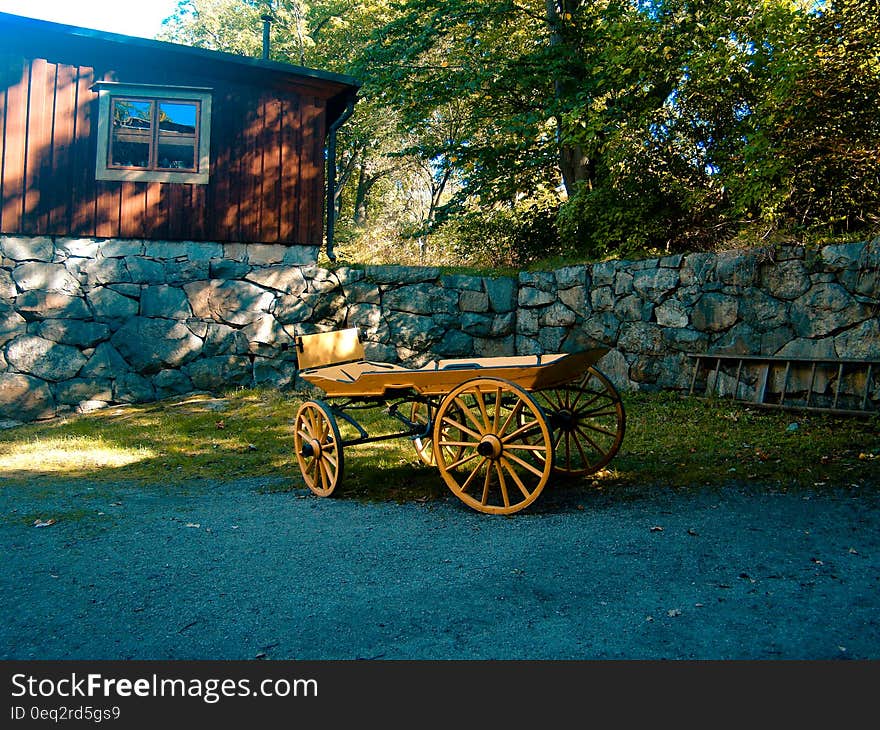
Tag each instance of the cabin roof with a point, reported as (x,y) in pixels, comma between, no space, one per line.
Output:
(46,35)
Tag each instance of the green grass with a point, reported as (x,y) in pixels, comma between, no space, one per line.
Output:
(670,442)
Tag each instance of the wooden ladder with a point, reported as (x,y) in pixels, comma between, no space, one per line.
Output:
(779,382)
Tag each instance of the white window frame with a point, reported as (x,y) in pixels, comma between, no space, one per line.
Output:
(108,90)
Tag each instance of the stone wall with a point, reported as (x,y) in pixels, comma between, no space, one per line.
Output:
(85,323)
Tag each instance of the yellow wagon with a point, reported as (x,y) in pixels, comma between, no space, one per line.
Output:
(496,428)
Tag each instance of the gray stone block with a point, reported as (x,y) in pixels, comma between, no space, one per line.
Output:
(7,286)
(107,304)
(171,382)
(785,279)
(736,268)
(25,398)
(543,281)
(479,325)
(144,271)
(300,255)
(366,317)
(502,293)
(105,271)
(861,342)
(105,361)
(462,282)
(571,276)
(79,333)
(575,298)
(170,302)
(285,279)
(455,344)
(557,315)
(27,248)
(43,358)
(473,301)
(641,337)
(221,339)
(494,347)
(78,390)
(232,302)
(531,297)
(401,274)
(714,312)
(218,373)
(655,284)
(12,323)
(43,277)
(672,313)
(150,345)
(824,309)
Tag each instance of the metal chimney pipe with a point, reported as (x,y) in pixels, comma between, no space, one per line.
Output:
(267,24)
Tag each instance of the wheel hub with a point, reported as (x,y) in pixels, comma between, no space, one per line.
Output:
(490,446)
(312,447)
(567,420)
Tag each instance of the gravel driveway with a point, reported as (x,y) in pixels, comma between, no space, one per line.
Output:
(243,571)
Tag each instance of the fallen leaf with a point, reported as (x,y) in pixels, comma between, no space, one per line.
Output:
(44,523)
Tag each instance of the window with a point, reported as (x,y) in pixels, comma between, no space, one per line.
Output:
(158,133)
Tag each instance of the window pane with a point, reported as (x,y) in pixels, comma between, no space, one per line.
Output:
(177,135)
(132,133)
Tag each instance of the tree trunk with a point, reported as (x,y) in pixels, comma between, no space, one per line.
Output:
(575,165)
(360,195)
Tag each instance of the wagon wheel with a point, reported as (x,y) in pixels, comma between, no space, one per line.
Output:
(588,422)
(424,444)
(318,447)
(504,456)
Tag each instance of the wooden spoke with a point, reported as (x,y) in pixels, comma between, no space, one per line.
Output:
(509,455)
(588,422)
(318,448)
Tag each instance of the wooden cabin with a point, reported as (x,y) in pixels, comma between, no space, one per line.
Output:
(111,136)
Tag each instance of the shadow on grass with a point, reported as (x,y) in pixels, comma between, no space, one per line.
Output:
(200,441)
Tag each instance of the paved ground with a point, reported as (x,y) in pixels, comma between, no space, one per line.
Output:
(240,571)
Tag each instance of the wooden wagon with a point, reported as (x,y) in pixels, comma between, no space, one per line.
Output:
(496,428)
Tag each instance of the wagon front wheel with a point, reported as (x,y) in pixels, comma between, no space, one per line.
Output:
(318,447)
(492,445)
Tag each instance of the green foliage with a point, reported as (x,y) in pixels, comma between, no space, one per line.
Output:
(641,125)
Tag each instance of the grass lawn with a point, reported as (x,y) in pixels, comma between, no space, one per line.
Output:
(670,442)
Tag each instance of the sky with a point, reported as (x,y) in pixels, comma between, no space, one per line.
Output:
(143,18)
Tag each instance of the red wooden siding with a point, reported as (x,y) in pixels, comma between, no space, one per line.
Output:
(267,162)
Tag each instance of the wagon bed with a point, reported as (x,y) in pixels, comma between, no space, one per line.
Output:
(495,427)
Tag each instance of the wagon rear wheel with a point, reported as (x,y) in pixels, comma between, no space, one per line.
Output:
(318,447)
(492,445)
(424,413)
(588,422)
